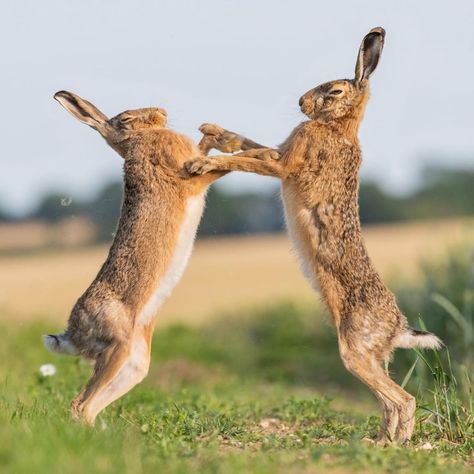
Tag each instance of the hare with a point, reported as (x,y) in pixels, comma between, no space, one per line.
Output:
(112,322)
(319,164)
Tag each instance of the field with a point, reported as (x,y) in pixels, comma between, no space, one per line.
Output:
(224,273)
(262,394)
(245,376)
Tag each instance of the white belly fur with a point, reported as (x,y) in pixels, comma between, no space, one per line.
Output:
(180,258)
(294,213)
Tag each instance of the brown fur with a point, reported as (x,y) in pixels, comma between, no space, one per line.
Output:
(103,324)
(319,165)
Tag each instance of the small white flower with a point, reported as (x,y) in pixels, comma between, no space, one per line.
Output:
(47,370)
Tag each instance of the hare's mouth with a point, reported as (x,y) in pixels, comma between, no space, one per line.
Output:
(306,109)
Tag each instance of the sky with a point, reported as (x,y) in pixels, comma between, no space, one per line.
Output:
(241,64)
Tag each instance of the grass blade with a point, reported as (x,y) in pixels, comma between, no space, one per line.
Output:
(409,373)
(454,312)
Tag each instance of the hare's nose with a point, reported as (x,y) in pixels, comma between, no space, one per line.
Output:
(301,101)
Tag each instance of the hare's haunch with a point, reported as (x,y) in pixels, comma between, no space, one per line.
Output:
(319,165)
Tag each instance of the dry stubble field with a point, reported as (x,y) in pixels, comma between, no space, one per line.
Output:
(224,275)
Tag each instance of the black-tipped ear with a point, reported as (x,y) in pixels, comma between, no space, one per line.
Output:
(83,110)
(369,54)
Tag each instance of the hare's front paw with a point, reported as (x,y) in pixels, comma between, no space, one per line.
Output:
(200,166)
(264,154)
(220,138)
(211,129)
(270,155)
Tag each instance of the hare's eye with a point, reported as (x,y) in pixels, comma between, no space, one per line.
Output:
(335,92)
(126,119)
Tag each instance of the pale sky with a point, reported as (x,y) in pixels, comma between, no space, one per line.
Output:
(242,64)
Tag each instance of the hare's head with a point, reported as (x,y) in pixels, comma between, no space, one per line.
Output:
(119,130)
(347,97)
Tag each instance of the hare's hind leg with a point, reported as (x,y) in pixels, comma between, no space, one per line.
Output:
(131,373)
(107,364)
(398,405)
(118,369)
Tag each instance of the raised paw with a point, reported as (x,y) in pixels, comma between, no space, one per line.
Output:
(220,138)
(270,155)
(200,166)
(211,129)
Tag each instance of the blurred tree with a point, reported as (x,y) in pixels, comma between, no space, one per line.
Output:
(443,192)
(377,206)
(4,216)
(104,210)
(241,213)
(56,206)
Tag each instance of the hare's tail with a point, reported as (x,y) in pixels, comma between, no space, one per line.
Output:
(412,338)
(60,343)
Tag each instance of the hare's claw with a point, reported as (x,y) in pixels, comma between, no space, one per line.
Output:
(200,166)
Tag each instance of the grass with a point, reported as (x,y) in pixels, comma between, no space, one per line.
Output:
(450,415)
(263,393)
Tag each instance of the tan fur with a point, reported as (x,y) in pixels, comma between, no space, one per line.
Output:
(319,165)
(105,323)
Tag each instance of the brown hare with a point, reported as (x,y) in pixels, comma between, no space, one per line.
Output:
(112,322)
(319,164)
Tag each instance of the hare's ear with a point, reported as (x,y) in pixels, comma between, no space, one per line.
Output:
(83,110)
(369,54)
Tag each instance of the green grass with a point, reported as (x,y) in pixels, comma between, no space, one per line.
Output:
(264,393)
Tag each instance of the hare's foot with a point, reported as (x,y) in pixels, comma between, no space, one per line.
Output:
(398,422)
(388,429)
(200,166)
(220,138)
(380,441)
(78,411)
(211,130)
(406,423)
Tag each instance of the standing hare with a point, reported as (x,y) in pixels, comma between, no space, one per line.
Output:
(319,165)
(112,322)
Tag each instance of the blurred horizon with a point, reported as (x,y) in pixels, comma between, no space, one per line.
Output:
(60,221)
(243,68)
